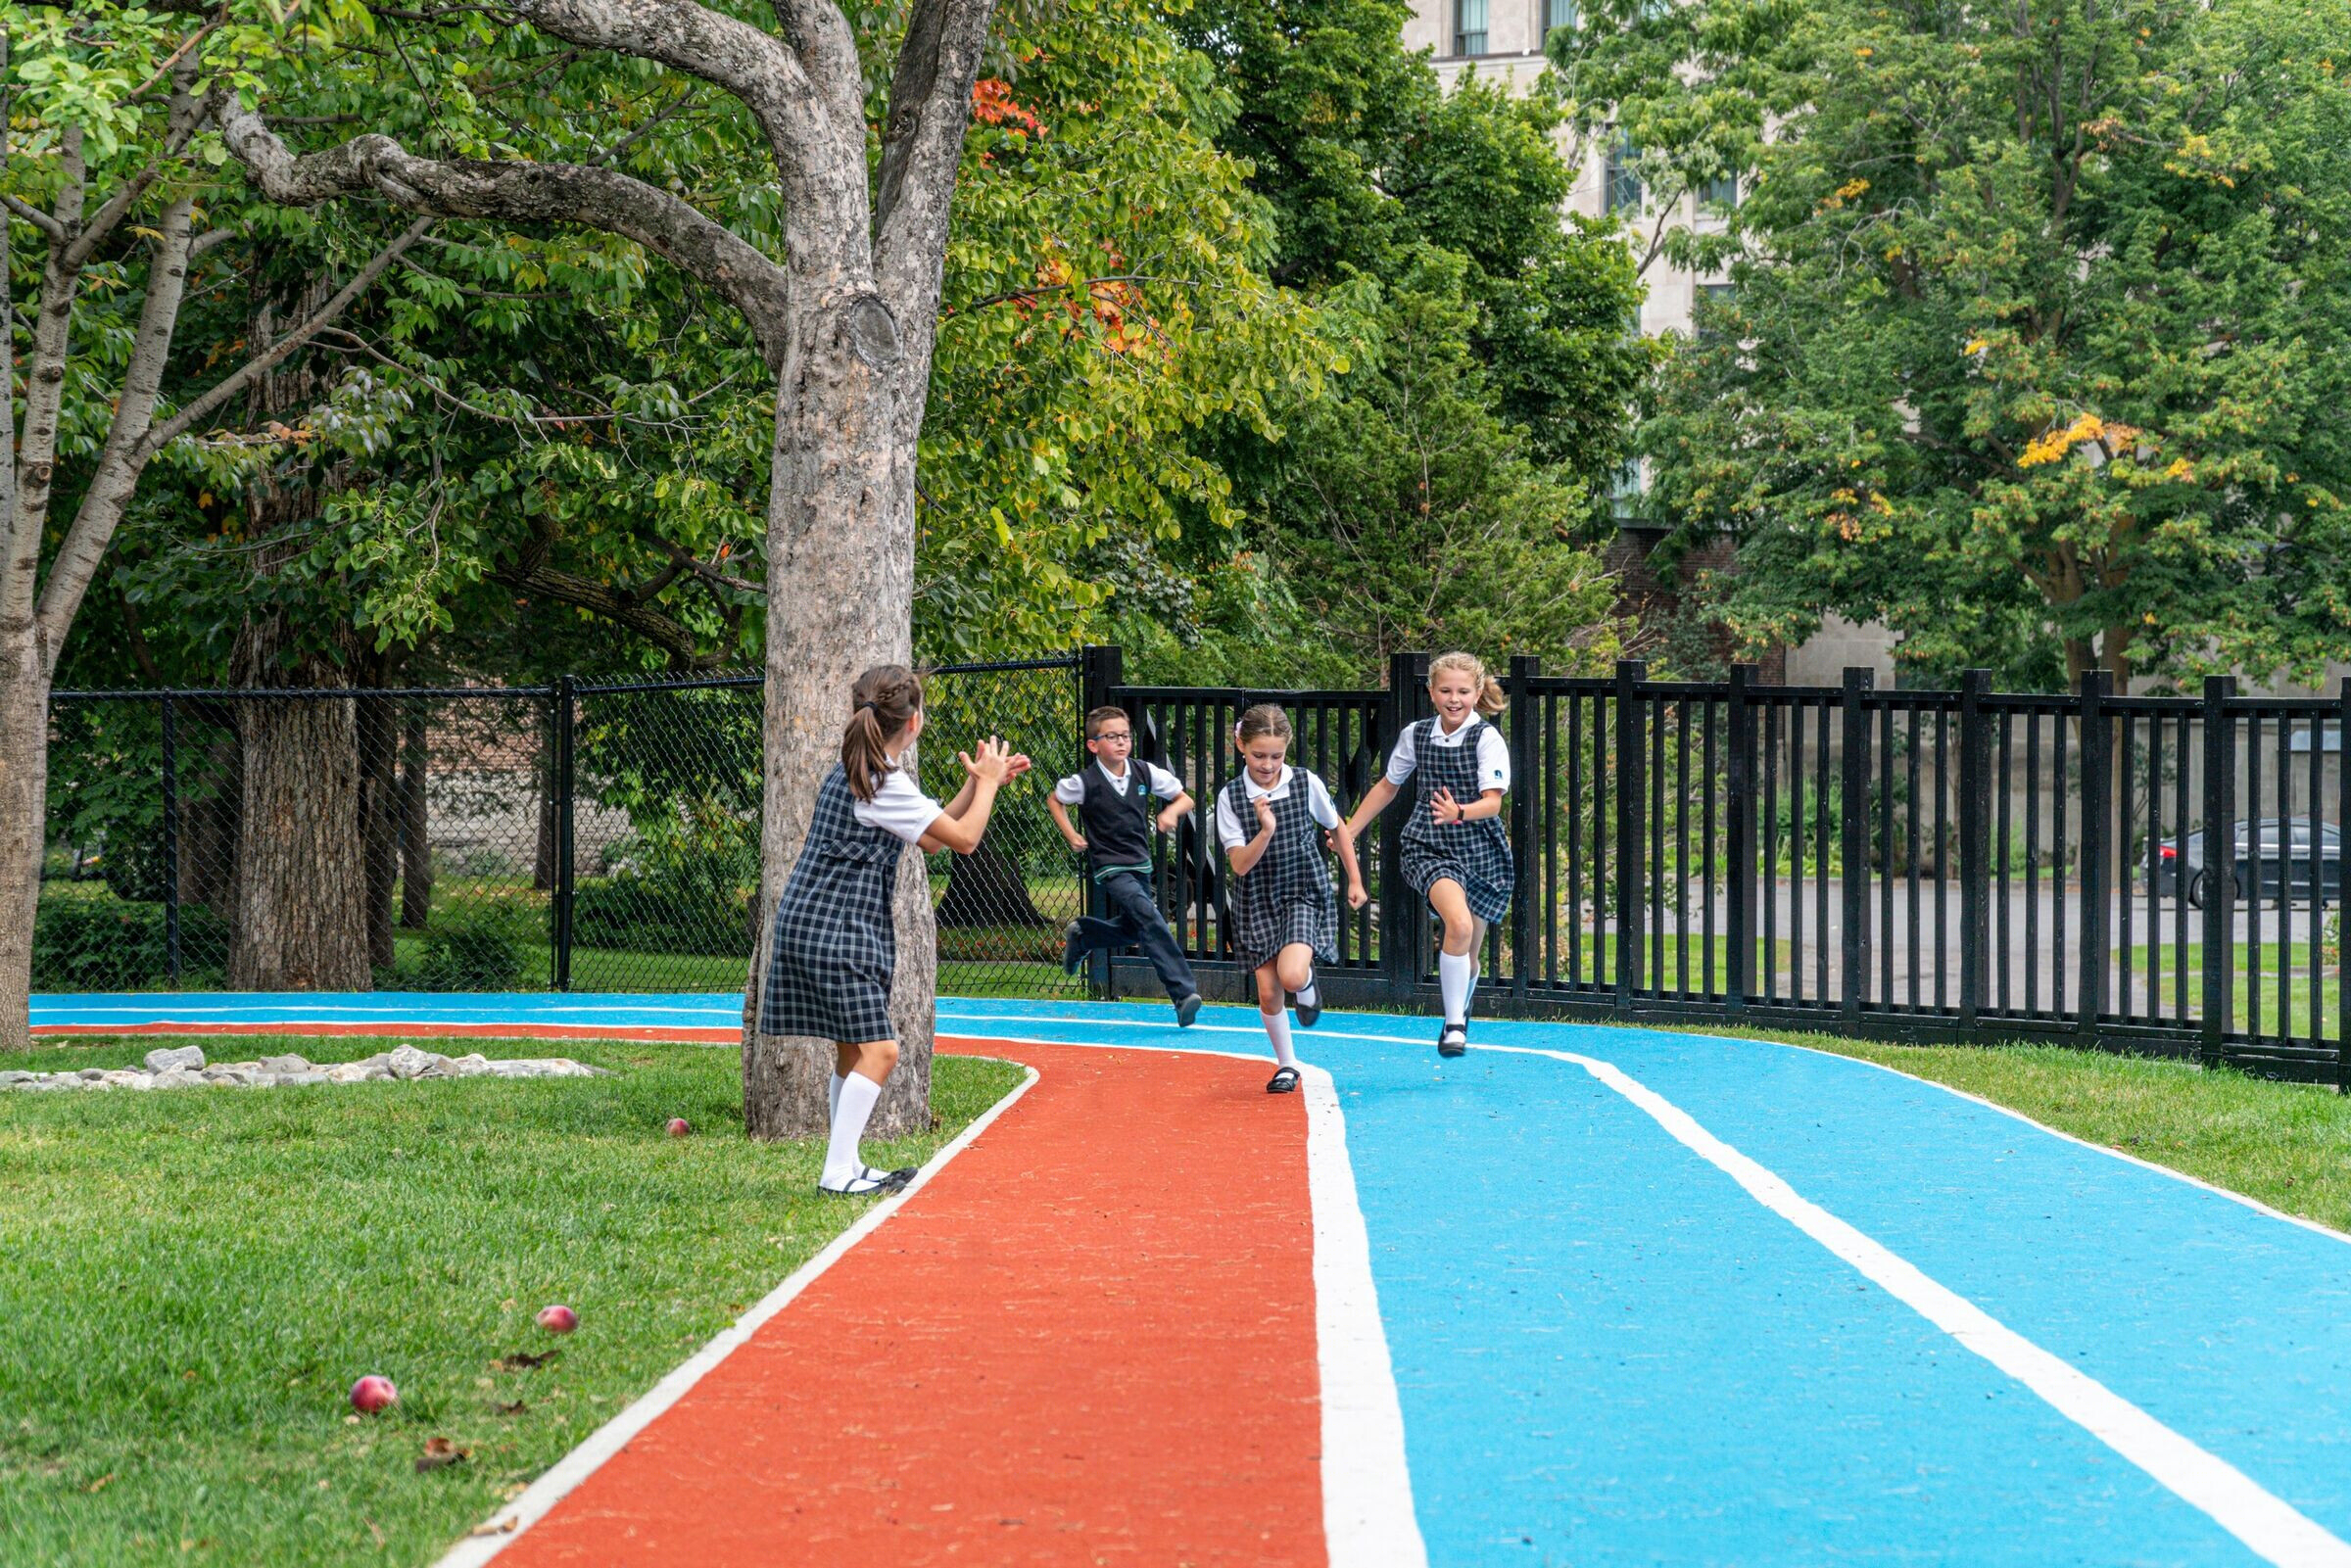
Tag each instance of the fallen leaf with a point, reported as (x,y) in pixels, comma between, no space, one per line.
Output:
(440,1452)
(516,1408)
(100,1485)
(523,1361)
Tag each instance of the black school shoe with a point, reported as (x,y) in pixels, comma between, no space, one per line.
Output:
(869,1182)
(1307,1016)
(1453,1040)
(1073,957)
(1282,1081)
(1187,1007)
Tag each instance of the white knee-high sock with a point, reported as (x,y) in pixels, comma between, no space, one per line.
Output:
(859,1093)
(1457,976)
(1278,1030)
(833,1100)
(1306,993)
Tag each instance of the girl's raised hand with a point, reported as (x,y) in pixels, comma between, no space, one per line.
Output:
(1016,765)
(992,762)
(1265,814)
(1444,807)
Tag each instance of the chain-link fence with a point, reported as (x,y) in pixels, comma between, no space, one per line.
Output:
(584,837)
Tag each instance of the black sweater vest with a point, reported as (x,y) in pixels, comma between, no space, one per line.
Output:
(1117,822)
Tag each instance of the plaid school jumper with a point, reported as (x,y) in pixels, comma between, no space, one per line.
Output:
(835,946)
(1286,896)
(1474,854)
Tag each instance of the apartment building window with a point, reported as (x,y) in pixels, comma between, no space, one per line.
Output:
(1624,185)
(1713,299)
(1720,193)
(1627,492)
(1558,14)
(1469,27)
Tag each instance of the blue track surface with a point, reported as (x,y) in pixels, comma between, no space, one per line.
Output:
(1608,1352)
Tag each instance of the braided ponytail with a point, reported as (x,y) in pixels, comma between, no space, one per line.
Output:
(880,704)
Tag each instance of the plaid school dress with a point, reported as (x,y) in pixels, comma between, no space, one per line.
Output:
(835,945)
(1286,896)
(1474,854)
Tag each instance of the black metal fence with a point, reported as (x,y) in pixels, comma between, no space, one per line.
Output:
(584,835)
(1926,863)
(1912,863)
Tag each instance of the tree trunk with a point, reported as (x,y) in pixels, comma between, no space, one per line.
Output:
(302,877)
(378,735)
(844,481)
(985,889)
(415,824)
(24,818)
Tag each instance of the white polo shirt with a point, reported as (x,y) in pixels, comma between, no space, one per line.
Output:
(1319,805)
(899,807)
(1493,754)
(1165,785)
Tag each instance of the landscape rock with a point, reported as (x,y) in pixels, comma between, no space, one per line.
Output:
(472,1064)
(166,1057)
(283,1064)
(408,1063)
(347,1072)
(12,1078)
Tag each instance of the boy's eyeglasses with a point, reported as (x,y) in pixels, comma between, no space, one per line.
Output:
(1114,734)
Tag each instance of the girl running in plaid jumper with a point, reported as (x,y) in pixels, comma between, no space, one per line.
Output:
(834,945)
(1270,819)
(1456,854)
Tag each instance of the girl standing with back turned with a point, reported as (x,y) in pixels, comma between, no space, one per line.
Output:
(835,944)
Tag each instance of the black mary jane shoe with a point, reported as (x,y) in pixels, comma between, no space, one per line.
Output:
(1283,1081)
(869,1183)
(1308,1015)
(1073,956)
(1453,1040)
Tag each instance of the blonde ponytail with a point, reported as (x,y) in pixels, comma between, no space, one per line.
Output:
(1491,700)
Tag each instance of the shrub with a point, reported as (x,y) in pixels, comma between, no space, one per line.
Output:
(480,946)
(656,912)
(100,943)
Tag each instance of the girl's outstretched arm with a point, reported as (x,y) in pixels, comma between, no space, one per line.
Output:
(1376,800)
(1344,842)
(966,818)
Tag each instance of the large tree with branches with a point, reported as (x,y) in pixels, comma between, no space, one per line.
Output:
(846,321)
(110,186)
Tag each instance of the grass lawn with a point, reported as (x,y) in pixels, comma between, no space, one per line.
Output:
(190,1281)
(2286,1144)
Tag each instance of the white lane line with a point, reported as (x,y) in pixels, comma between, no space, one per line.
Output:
(493,1536)
(2265,1523)
(1367,1515)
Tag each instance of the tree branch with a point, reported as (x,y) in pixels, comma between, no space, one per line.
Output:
(560,193)
(929,107)
(727,53)
(34,215)
(532,575)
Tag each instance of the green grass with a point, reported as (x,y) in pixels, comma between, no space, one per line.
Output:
(2287,1145)
(190,1282)
(2297,979)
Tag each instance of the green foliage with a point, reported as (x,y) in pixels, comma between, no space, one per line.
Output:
(103,943)
(480,945)
(2042,327)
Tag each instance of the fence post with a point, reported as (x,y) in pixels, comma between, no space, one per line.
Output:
(1854,826)
(1975,817)
(1632,828)
(2220,880)
(1527,765)
(1102,668)
(1738,810)
(2097,848)
(566,701)
(2342,883)
(1402,926)
(171,842)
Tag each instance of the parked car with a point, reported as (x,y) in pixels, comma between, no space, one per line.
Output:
(2286,860)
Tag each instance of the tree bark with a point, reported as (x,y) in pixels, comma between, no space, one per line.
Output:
(985,889)
(415,825)
(378,736)
(24,817)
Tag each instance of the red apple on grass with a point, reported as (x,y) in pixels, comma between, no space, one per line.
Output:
(678,1128)
(372,1393)
(559,1319)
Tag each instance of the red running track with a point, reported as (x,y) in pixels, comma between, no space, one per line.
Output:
(1088,1339)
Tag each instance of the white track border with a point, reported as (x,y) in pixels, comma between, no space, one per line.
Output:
(502,1528)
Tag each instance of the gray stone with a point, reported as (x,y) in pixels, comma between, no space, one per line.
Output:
(472,1064)
(123,1078)
(347,1072)
(409,1061)
(284,1064)
(168,1056)
(12,1078)
(297,1081)
(92,1074)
